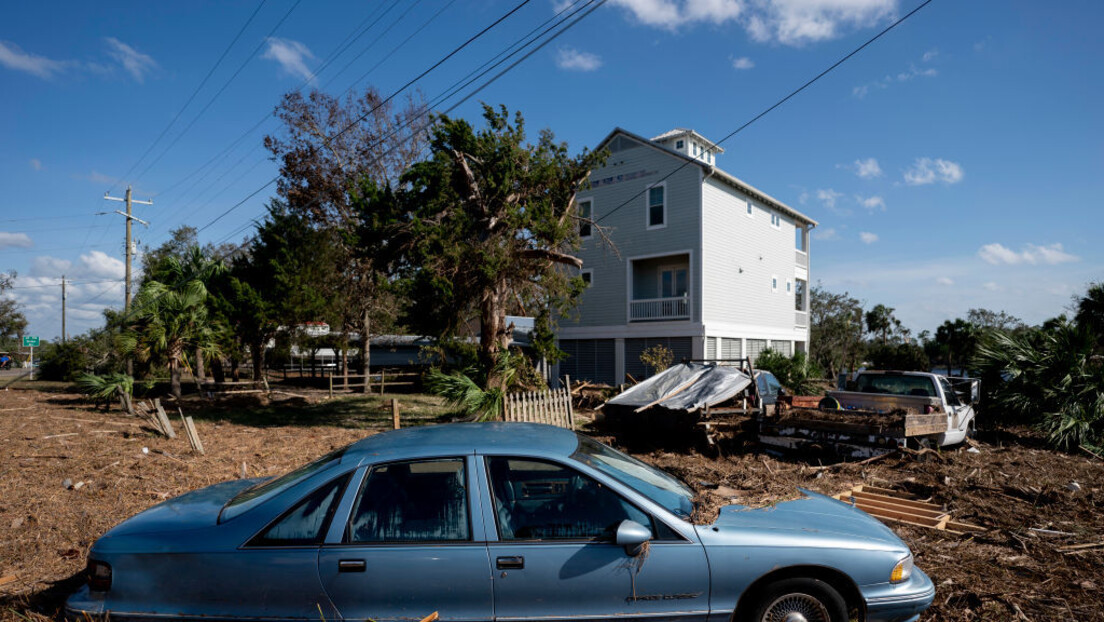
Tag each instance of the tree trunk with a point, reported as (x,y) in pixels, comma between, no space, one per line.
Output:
(174,377)
(217,370)
(256,352)
(493,338)
(200,370)
(366,349)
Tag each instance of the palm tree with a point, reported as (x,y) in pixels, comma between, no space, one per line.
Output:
(170,318)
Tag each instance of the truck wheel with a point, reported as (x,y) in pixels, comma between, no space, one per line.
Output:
(800,600)
(828,403)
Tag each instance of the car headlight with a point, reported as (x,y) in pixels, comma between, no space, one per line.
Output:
(902,571)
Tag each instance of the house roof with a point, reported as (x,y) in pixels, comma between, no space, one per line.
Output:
(682,131)
(712,171)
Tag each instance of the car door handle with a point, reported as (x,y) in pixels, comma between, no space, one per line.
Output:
(510,563)
(351,565)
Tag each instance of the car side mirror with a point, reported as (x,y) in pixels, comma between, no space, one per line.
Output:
(632,535)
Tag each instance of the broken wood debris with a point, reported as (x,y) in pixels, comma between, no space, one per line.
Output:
(892,506)
(190,432)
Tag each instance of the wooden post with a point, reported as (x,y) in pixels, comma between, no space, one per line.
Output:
(382,381)
(331,386)
(190,432)
(395,413)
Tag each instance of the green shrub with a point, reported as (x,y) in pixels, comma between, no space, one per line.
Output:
(797,373)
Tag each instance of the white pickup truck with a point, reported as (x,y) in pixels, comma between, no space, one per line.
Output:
(879,410)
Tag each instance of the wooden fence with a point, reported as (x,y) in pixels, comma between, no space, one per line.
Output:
(552,407)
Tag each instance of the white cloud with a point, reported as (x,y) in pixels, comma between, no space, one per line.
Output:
(871,203)
(291,55)
(943,280)
(1053,254)
(928,171)
(888,80)
(137,64)
(36,164)
(97,178)
(867,237)
(868,168)
(46,266)
(15,240)
(100,264)
(991,286)
(574,60)
(791,22)
(13,57)
(828,197)
(742,63)
(825,234)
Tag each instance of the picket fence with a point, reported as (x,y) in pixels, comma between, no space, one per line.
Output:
(552,407)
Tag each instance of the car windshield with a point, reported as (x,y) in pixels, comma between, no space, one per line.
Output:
(262,491)
(662,488)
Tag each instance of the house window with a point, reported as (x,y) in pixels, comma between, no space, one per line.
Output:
(799,294)
(776,221)
(587,275)
(750,209)
(585,226)
(774,284)
(679,144)
(789,286)
(673,282)
(657,207)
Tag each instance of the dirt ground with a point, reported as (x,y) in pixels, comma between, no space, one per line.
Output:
(69,472)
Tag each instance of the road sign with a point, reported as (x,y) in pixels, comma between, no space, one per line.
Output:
(30,341)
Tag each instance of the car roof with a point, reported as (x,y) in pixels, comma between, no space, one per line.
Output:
(466,438)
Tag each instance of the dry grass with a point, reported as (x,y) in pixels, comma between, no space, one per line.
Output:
(1008,573)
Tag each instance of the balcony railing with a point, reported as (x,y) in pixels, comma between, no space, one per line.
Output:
(802,259)
(801,319)
(660,309)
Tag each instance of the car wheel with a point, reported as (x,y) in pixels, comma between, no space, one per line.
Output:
(800,600)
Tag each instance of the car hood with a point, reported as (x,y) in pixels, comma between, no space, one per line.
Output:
(812,515)
(193,510)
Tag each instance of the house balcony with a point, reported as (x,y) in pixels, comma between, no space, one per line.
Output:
(660,288)
(677,308)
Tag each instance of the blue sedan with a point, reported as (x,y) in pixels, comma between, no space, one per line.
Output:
(495,521)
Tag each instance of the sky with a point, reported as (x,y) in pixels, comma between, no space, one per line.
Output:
(955,163)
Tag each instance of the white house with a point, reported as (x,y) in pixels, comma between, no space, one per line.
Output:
(704,263)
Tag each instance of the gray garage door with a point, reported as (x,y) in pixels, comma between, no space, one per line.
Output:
(588,359)
(681,347)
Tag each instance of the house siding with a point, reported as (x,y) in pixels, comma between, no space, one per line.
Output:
(622,182)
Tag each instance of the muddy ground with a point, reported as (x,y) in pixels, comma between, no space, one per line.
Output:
(69,472)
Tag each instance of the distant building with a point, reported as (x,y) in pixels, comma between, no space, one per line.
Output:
(706,264)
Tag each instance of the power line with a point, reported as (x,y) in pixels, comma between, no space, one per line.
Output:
(193,95)
(249,58)
(778,103)
(70,281)
(384,102)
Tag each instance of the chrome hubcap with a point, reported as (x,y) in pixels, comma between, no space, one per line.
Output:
(796,608)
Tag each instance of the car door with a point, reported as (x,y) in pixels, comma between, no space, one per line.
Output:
(555,559)
(410,545)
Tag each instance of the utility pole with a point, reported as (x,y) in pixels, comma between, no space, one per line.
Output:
(63,308)
(129,251)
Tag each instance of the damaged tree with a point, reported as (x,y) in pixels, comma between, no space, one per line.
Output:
(490,227)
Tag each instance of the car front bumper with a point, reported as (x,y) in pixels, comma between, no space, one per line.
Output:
(903,602)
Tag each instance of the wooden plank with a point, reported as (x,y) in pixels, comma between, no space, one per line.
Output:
(395,413)
(900,515)
(907,503)
(193,435)
(166,425)
(932,512)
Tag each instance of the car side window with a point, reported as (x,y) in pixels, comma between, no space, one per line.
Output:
(306,522)
(538,500)
(419,501)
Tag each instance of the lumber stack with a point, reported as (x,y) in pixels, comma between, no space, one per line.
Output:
(891,506)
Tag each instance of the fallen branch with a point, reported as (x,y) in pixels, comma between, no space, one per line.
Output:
(1091,452)
(1077,548)
(61,435)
